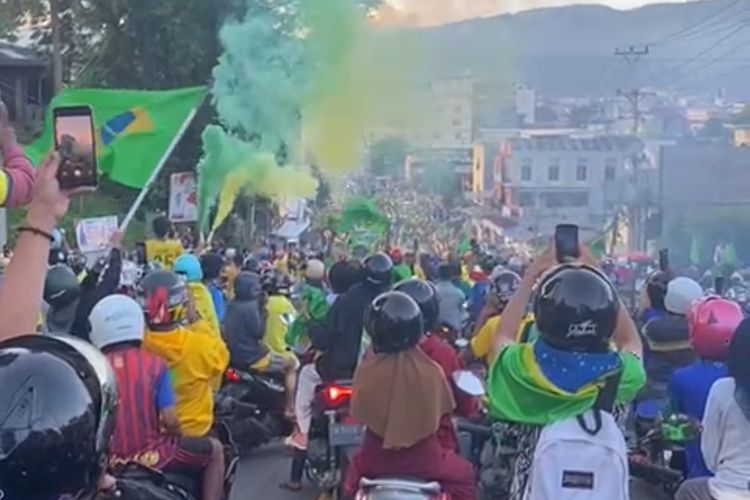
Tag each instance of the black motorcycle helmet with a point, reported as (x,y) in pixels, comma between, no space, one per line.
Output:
(503,284)
(656,289)
(379,269)
(163,295)
(425,295)
(394,322)
(59,399)
(61,287)
(576,309)
(247,286)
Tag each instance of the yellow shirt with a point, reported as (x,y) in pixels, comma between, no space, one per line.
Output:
(276,307)
(195,357)
(204,305)
(481,343)
(165,252)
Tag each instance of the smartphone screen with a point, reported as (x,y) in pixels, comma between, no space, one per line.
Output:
(719,285)
(566,242)
(76,144)
(664,259)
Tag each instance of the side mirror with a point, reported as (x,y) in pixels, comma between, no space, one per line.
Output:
(469,383)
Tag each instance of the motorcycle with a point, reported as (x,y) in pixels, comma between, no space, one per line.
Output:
(655,456)
(251,405)
(139,482)
(333,436)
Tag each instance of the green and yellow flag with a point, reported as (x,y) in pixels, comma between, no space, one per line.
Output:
(134,128)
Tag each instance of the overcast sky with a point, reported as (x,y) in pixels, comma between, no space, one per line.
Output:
(441,11)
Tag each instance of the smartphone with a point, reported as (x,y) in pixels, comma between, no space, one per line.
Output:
(76,144)
(719,285)
(566,242)
(664,259)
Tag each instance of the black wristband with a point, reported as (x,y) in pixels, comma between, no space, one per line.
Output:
(36,231)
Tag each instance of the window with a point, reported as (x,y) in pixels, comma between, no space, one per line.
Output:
(610,169)
(456,122)
(553,172)
(437,135)
(582,170)
(526,170)
(459,136)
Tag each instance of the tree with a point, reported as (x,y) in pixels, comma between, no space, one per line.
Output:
(387,157)
(715,129)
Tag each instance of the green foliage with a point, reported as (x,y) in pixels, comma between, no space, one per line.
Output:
(387,157)
(715,129)
(701,233)
(440,178)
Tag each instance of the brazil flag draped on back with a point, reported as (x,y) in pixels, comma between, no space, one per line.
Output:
(134,127)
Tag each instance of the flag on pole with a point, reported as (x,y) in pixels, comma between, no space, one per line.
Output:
(134,128)
(695,252)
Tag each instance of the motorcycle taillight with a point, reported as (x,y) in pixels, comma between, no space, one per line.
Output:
(335,394)
(232,375)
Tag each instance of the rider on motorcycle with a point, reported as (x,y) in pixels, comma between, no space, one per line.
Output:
(339,338)
(195,356)
(279,312)
(503,284)
(652,300)
(450,297)
(189,267)
(145,389)
(712,322)
(211,264)
(402,430)
(668,344)
(554,377)
(60,399)
(424,294)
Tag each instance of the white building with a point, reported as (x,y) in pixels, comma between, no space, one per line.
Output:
(526,104)
(552,180)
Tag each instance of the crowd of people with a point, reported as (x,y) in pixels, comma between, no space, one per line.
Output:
(119,362)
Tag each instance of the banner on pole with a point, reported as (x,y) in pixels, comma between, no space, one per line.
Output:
(183,197)
(94,234)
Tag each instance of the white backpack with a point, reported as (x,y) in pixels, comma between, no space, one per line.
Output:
(583,457)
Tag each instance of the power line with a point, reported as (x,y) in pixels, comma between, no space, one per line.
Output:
(688,29)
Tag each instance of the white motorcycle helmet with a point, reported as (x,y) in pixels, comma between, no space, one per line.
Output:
(115,319)
(681,293)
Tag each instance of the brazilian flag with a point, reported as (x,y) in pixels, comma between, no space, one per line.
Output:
(134,128)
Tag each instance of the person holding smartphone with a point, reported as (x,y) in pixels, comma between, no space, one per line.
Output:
(17,175)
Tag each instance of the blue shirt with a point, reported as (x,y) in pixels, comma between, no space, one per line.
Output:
(478,293)
(688,392)
(220,303)
(165,396)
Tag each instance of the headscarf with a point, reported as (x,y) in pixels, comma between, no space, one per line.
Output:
(401,397)
(739,368)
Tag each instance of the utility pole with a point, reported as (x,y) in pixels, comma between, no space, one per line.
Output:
(637,204)
(632,55)
(57,64)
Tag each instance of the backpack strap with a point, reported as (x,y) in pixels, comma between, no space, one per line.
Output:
(605,400)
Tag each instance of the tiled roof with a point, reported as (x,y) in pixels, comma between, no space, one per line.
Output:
(605,143)
(13,55)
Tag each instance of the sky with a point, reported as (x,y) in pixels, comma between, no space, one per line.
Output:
(431,12)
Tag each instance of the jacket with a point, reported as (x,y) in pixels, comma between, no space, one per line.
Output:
(94,287)
(243,328)
(17,179)
(339,336)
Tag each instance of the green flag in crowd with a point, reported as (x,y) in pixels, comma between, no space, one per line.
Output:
(362,213)
(134,128)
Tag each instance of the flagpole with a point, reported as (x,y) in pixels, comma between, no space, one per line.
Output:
(144,190)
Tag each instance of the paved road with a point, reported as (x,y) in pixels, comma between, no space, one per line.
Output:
(260,474)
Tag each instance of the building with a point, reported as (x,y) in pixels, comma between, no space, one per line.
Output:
(742,135)
(551,180)
(24,84)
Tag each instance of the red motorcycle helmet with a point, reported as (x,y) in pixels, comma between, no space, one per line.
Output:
(712,322)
